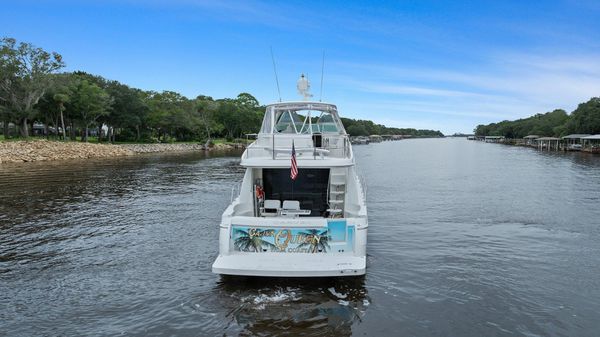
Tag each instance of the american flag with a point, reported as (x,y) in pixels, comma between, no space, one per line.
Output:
(294,168)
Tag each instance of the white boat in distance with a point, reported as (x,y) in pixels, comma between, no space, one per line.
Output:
(301,211)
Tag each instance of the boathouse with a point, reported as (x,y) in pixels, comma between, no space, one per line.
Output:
(494,139)
(573,142)
(530,140)
(591,144)
(548,143)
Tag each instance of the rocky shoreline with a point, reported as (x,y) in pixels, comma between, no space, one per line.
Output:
(181,147)
(40,150)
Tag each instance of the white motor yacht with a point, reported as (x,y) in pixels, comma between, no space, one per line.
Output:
(301,209)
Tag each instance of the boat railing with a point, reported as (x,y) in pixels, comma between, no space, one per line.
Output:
(235,191)
(279,146)
(363,184)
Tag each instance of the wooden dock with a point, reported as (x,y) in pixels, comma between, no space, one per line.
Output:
(574,142)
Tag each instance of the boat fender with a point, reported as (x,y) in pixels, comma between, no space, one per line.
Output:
(260,193)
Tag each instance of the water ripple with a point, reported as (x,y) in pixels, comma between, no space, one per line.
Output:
(465,239)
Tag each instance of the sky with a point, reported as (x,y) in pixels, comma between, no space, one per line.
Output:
(442,65)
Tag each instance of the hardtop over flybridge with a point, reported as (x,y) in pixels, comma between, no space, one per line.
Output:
(301,209)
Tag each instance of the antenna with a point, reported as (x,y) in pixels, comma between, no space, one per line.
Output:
(322,71)
(276,78)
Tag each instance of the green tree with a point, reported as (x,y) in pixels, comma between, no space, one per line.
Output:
(167,113)
(129,110)
(586,118)
(24,78)
(51,106)
(360,127)
(206,108)
(357,130)
(61,99)
(230,116)
(547,124)
(89,102)
(247,100)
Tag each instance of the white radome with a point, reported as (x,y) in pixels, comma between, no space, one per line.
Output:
(303,86)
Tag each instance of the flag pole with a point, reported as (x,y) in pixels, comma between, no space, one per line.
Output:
(293,168)
(294,158)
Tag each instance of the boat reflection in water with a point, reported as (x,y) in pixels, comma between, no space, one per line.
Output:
(275,306)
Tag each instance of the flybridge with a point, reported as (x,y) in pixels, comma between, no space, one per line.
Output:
(314,128)
(302,118)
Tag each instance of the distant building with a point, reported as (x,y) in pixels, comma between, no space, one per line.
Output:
(591,143)
(548,143)
(531,140)
(494,139)
(574,142)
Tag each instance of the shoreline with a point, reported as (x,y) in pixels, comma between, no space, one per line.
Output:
(25,151)
(547,144)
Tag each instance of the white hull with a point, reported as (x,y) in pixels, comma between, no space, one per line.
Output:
(289,265)
(344,258)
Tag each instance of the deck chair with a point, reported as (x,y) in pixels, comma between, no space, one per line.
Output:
(291,205)
(270,208)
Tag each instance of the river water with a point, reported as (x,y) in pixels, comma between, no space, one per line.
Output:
(465,239)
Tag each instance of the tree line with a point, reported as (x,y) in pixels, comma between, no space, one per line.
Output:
(583,120)
(75,104)
(72,105)
(359,127)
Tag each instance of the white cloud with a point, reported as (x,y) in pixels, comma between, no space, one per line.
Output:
(512,86)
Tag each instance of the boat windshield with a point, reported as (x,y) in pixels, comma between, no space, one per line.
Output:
(301,121)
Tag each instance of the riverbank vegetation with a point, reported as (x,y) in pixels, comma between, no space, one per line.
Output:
(36,99)
(358,127)
(583,120)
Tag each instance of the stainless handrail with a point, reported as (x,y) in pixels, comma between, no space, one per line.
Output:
(235,191)
(342,146)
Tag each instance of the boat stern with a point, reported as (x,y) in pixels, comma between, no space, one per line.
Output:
(289,265)
(300,247)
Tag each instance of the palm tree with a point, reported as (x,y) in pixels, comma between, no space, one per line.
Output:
(318,241)
(250,243)
(61,99)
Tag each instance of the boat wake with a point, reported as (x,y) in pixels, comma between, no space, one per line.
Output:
(278,296)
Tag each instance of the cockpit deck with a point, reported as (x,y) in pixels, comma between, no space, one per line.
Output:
(326,185)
